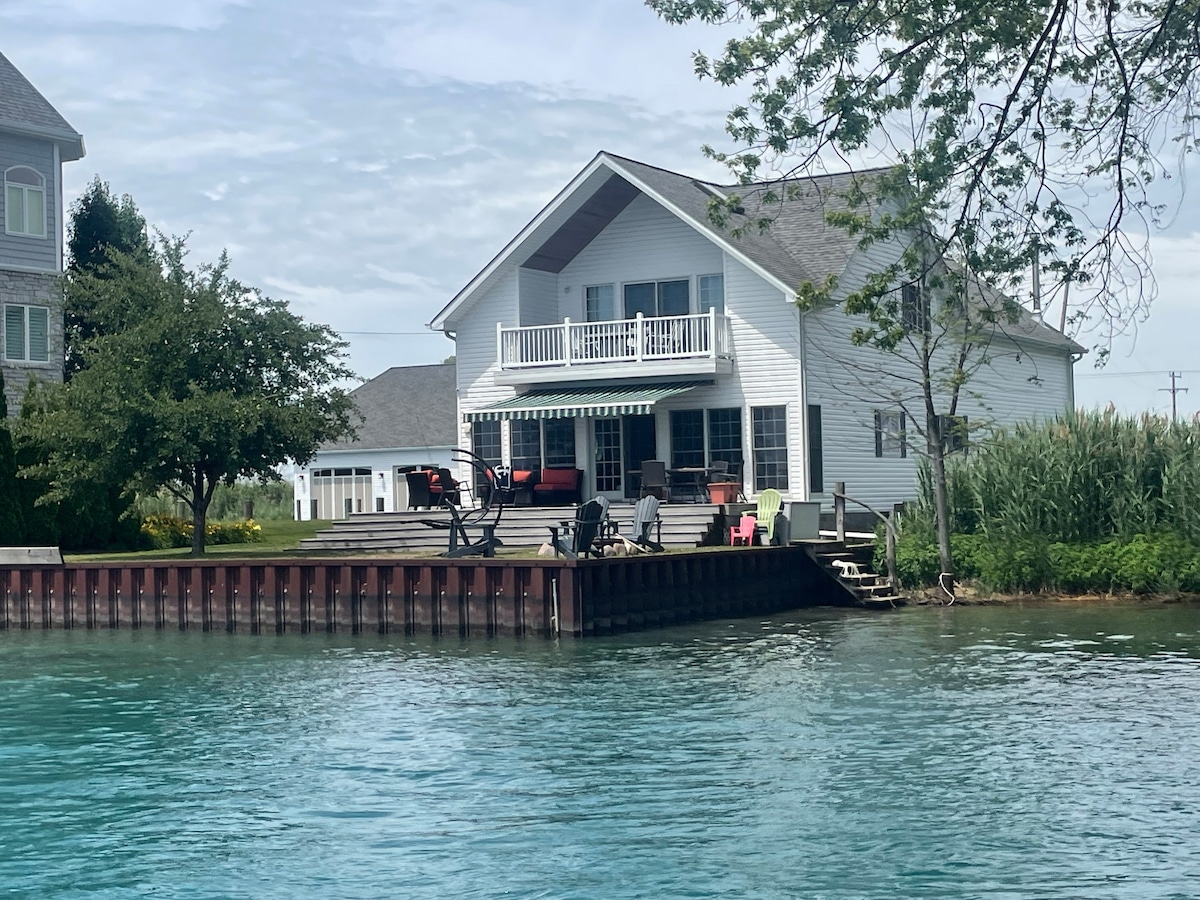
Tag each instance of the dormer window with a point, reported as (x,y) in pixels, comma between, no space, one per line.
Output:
(24,202)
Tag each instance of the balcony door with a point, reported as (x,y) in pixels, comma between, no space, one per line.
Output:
(606,436)
(657,298)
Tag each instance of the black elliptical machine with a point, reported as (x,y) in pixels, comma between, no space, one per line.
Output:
(497,489)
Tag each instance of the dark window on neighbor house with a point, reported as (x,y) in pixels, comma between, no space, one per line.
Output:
(725,437)
(914,308)
(816,451)
(890,439)
(952,432)
(527,444)
(657,298)
(770,447)
(560,443)
(687,437)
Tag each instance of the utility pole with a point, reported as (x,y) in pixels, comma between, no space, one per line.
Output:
(1174,390)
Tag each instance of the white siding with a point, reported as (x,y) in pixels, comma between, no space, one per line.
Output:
(766,341)
(1023,381)
(538,294)
(476,353)
(644,243)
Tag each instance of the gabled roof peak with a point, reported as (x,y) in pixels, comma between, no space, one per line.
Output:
(23,110)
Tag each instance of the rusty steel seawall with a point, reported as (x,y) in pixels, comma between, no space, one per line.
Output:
(467,597)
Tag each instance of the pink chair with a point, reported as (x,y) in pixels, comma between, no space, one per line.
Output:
(743,531)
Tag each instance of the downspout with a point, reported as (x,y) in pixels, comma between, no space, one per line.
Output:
(805,457)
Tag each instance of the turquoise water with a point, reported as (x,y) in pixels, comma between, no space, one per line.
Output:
(964,752)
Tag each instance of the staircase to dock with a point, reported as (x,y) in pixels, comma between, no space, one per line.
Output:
(683,525)
(861,585)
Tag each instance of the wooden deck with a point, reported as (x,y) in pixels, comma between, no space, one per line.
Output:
(683,525)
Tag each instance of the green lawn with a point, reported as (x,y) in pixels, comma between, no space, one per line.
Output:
(279,536)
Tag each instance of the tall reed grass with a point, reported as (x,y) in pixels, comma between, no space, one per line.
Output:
(1086,477)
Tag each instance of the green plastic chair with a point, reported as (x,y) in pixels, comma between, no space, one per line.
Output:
(770,501)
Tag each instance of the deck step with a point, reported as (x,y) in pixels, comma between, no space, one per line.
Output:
(683,525)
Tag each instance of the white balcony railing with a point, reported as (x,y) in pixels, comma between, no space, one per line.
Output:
(702,336)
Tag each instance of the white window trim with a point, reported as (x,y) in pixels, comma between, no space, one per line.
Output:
(891,434)
(699,299)
(26,361)
(614,317)
(40,188)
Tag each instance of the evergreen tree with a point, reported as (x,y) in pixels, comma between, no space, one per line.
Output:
(101,223)
(12,530)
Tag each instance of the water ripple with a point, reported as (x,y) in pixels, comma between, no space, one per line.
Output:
(987,752)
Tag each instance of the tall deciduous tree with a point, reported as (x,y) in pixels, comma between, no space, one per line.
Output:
(1022,135)
(192,379)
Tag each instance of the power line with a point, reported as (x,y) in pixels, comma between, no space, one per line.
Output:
(1130,374)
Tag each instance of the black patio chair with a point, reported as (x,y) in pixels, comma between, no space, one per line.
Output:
(580,537)
(419,494)
(446,489)
(654,479)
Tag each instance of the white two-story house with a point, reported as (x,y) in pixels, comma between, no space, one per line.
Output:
(621,325)
(34,143)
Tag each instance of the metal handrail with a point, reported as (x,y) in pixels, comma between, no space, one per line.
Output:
(839,515)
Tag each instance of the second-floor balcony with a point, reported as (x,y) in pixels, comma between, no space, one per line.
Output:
(651,345)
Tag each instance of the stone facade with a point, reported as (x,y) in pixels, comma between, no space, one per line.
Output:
(35,289)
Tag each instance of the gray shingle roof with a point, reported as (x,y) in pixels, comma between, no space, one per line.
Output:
(406,406)
(799,245)
(24,110)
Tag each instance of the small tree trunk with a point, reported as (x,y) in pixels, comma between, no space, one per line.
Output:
(941,506)
(200,500)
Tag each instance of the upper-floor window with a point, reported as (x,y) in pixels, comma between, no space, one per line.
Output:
(658,298)
(26,333)
(914,308)
(712,292)
(24,202)
(598,302)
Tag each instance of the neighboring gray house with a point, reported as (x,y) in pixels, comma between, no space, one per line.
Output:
(34,143)
(409,419)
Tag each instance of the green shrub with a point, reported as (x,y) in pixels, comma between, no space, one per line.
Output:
(1140,564)
(1014,565)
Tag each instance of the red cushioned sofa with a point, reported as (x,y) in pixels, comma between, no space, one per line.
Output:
(557,486)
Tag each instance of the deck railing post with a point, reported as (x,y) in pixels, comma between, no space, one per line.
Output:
(566,341)
(712,332)
(500,344)
(639,331)
(839,510)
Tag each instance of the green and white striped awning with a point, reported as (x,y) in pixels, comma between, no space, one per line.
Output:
(600,402)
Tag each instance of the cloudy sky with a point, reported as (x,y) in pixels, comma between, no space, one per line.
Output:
(363,160)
